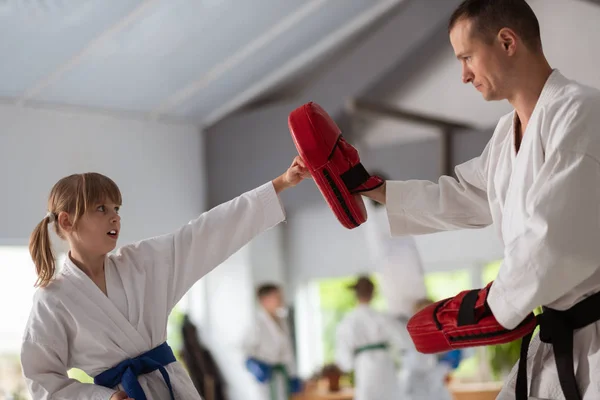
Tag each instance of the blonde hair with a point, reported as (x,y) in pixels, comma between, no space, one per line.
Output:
(74,194)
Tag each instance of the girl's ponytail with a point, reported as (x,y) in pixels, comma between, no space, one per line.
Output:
(41,252)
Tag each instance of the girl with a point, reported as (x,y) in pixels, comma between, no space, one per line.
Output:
(107,313)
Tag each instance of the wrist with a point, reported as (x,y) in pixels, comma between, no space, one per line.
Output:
(377,194)
(280,184)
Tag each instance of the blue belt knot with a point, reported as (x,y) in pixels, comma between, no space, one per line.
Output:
(127,371)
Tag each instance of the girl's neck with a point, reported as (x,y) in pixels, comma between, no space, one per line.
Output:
(92,266)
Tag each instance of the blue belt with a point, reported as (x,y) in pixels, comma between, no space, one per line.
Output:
(127,371)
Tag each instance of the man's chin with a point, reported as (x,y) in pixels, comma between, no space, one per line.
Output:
(487,96)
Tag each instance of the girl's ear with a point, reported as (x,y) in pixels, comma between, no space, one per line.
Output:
(65,222)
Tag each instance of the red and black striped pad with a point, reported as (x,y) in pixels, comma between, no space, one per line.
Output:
(462,321)
(333,163)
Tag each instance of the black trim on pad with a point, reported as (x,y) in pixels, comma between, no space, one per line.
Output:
(355,177)
(488,334)
(466,312)
(339,197)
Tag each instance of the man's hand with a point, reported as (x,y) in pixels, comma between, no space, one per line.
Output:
(377,194)
(120,395)
(293,176)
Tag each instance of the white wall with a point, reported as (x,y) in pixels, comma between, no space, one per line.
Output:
(158,167)
(267,258)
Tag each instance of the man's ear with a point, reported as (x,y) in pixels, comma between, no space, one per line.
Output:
(508,38)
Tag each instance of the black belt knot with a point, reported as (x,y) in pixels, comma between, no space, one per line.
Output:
(557,328)
(554,325)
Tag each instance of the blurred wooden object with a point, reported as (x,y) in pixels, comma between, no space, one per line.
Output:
(200,364)
(333,375)
(320,391)
(475,391)
(343,394)
(460,391)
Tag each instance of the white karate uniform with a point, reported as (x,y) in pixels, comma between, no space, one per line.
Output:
(375,374)
(271,342)
(423,377)
(397,260)
(545,202)
(73,324)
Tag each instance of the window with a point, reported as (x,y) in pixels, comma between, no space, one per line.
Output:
(441,285)
(333,300)
(16,288)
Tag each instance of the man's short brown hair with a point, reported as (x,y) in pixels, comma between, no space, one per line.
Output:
(489,16)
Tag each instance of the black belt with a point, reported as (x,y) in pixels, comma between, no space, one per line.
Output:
(556,328)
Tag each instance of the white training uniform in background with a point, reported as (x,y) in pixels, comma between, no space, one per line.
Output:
(374,370)
(270,341)
(73,324)
(397,261)
(545,202)
(422,377)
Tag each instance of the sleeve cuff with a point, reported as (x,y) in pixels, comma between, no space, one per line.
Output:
(505,313)
(273,209)
(395,193)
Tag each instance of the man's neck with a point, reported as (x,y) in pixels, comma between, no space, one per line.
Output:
(528,90)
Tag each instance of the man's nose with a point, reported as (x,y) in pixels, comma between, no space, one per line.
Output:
(467,75)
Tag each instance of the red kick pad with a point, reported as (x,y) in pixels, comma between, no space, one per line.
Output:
(462,321)
(333,163)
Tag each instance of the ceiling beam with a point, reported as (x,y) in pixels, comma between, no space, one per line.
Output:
(99,40)
(73,109)
(190,90)
(325,46)
(447,128)
(596,2)
(366,107)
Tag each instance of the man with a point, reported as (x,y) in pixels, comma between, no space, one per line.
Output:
(538,181)
(268,346)
(363,341)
